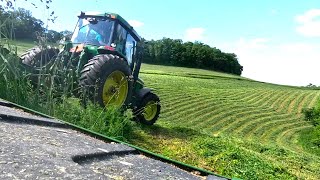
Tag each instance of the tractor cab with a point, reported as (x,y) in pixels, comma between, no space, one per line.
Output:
(108,33)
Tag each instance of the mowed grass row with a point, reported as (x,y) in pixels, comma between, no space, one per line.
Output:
(262,121)
(231,106)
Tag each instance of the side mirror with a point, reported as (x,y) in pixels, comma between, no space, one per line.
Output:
(82,14)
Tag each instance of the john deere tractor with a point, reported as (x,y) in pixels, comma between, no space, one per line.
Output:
(103,54)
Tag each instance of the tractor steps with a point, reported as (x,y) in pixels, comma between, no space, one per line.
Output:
(33,146)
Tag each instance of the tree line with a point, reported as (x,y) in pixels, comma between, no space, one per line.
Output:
(20,24)
(175,52)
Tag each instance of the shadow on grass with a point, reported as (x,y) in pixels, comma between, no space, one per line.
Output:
(170,132)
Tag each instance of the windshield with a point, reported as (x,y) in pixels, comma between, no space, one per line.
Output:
(95,31)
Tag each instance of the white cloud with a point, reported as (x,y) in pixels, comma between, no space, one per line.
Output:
(135,23)
(289,64)
(194,34)
(309,25)
(308,16)
(256,43)
(298,48)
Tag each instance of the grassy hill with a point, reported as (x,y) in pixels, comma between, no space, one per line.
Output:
(217,103)
(243,122)
(228,124)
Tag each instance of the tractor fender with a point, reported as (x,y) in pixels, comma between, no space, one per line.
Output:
(142,92)
(106,51)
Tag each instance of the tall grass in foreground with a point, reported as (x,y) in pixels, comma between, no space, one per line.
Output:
(16,87)
(48,94)
(109,121)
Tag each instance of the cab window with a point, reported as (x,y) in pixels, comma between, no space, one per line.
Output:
(130,48)
(93,31)
(120,38)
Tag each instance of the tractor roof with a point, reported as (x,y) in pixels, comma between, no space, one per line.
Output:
(122,21)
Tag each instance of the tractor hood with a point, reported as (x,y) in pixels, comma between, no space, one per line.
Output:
(93,50)
(78,48)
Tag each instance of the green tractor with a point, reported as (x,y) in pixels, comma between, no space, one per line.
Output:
(105,57)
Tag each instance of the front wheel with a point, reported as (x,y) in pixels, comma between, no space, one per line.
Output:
(149,109)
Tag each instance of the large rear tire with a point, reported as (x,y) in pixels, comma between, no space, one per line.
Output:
(38,60)
(39,57)
(106,80)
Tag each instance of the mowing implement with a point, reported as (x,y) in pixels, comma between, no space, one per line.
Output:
(104,57)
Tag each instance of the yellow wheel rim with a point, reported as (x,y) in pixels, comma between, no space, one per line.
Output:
(115,89)
(150,110)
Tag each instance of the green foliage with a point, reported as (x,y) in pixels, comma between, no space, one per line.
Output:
(310,140)
(313,136)
(313,115)
(54,36)
(234,161)
(15,86)
(315,139)
(312,86)
(20,24)
(174,52)
(45,96)
(226,155)
(111,121)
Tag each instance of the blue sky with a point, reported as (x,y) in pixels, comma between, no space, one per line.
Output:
(276,41)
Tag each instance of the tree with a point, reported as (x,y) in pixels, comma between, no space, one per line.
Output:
(66,33)
(25,25)
(20,24)
(54,36)
(174,52)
